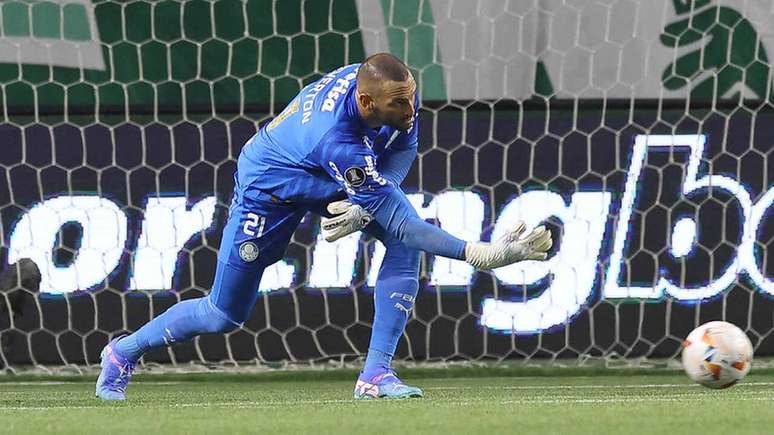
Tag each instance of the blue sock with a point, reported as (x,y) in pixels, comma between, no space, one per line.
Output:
(377,362)
(180,322)
(233,296)
(396,289)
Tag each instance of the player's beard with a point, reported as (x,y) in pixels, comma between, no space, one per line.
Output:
(400,125)
(391,121)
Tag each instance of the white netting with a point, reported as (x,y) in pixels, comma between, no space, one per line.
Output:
(638,130)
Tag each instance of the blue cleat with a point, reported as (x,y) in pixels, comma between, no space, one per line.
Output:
(386,385)
(116,373)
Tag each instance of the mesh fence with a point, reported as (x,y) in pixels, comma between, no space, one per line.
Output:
(639,132)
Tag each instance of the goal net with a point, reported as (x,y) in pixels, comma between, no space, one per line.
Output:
(638,131)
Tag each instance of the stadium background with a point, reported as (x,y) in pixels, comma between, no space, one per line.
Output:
(134,100)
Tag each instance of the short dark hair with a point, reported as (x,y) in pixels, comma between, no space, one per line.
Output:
(382,67)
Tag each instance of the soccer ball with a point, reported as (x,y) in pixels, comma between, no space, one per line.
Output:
(717,355)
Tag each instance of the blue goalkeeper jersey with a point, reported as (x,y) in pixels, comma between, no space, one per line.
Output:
(319,147)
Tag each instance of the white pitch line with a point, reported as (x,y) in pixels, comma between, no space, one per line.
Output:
(569,399)
(466,387)
(48,383)
(561,387)
(232,405)
(621,400)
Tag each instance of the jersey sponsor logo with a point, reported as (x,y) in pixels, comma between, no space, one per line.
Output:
(312,93)
(289,110)
(248,251)
(371,171)
(355,176)
(341,87)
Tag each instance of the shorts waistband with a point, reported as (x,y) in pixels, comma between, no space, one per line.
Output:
(276,199)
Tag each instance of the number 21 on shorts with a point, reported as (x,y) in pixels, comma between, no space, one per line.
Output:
(254,224)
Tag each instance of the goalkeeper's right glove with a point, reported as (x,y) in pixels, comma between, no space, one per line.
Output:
(509,248)
(347,219)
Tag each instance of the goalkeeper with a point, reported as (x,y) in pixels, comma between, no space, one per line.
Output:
(352,134)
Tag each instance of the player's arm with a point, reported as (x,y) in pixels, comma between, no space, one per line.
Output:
(393,164)
(380,199)
(395,161)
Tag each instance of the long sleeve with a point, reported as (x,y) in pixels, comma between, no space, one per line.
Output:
(399,218)
(354,167)
(394,163)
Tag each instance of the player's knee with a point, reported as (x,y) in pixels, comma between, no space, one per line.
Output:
(402,258)
(216,320)
(221,325)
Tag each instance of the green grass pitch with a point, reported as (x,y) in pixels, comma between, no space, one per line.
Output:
(625,402)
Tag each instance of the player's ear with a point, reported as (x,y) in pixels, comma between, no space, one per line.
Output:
(365,100)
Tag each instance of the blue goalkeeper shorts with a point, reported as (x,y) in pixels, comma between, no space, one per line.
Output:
(256,235)
(258,230)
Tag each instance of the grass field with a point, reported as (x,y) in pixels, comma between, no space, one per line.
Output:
(660,403)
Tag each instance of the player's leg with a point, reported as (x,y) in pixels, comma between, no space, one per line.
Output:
(394,295)
(255,237)
(192,317)
(181,322)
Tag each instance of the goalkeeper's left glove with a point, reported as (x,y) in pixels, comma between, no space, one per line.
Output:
(510,248)
(347,219)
